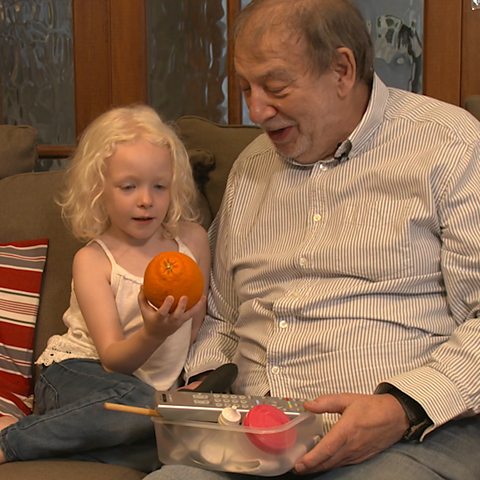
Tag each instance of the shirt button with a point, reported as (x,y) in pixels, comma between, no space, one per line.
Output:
(303,262)
(322,167)
(275,370)
(283,324)
(317,217)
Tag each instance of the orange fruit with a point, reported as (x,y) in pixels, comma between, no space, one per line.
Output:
(175,274)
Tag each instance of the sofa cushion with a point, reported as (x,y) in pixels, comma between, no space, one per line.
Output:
(66,470)
(202,162)
(472,104)
(18,149)
(225,142)
(29,211)
(21,270)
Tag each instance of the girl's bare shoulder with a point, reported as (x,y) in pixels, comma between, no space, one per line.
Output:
(91,255)
(191,231)
(194,236)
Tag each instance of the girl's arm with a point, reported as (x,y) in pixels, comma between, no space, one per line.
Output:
(91,279)
(196,238)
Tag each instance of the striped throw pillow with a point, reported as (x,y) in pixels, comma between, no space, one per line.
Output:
(21,270)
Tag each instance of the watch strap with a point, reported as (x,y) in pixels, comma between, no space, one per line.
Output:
(418,419)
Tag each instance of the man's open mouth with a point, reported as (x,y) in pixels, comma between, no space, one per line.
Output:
(279,134)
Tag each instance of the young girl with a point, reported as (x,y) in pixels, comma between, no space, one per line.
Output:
(130,194)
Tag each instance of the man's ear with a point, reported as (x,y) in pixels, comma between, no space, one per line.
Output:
(345,68)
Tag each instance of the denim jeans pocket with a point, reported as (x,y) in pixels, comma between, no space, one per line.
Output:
(46,395)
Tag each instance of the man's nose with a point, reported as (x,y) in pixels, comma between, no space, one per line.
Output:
(260,108)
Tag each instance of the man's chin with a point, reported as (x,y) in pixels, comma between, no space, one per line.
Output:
(286,149)
(296,155)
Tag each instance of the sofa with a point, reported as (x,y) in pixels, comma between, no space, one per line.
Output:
(28,211)
(472,105)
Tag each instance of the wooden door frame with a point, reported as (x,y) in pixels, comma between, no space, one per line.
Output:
(470,73)
(107,73)
(442,50)
(234,93)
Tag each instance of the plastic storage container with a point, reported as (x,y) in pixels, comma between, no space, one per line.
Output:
(236,448)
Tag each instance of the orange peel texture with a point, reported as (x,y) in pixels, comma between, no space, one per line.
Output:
(175,274)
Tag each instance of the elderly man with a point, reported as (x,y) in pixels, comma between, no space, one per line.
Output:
(347,253)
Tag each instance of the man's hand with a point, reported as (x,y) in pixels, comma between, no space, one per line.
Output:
(368,425)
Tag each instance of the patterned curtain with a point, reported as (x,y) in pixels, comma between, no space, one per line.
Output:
(36,67)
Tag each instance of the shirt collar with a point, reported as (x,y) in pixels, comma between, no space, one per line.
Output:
(372,118)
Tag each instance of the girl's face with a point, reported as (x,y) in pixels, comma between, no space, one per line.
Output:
(137,189)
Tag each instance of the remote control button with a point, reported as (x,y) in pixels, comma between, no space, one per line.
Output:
(200,395)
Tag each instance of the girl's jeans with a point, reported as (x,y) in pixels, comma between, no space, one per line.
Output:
(72,421)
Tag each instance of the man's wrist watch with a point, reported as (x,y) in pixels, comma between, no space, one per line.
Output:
(418,419)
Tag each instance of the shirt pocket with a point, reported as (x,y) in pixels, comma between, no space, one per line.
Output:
(372,242)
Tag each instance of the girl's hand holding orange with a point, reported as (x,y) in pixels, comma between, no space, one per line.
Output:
(173,283)
(159,323)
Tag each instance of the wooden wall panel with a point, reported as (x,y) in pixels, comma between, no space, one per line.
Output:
(92,56)
(110,56)
(234,93)
(443,50)
(129,52)
(470,70)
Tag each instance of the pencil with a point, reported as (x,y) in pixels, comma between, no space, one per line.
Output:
(130,409)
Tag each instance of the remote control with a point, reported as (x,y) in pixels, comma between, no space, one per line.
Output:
(206,407)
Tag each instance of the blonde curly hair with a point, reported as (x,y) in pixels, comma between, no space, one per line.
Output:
(82,199)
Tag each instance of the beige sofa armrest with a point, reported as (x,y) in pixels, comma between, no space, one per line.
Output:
(225,142)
